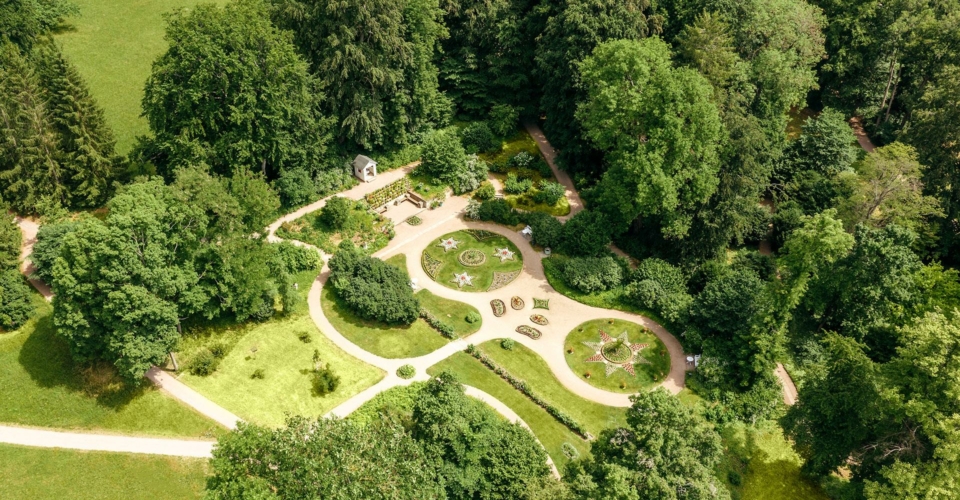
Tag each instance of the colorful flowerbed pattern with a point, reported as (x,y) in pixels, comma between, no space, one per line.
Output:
(499,308)
(504,254)
(501,280)
(462,279)
(448,244)
(481,234)
(516,303)
(431,266)
(539,319)
(388,193)
(541,303)
(529,331)
(414,221)
(472,257)
(616,353)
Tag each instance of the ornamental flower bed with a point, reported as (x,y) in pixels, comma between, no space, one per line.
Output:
(499,308)
(529,331)
(481,234)
(431,266)
(522,386)
(388,193)
(472,257)
(516,303)
(501,280)
(541,303)
(414,221)
(445,329)
(539,319)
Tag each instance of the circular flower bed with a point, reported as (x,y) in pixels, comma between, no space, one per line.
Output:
(516,303)
(499,308)
(539,319)
(414,221)
(616,352)
(529,331)
(472,257)
(406,372)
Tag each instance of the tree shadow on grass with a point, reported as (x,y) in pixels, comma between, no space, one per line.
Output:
(46,359)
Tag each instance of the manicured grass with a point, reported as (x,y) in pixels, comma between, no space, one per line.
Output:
(770,466)
(39,473)
(41,386)
(428,187)
(400,399)
(647,374)
(392,341)
(287,363)
(483,274)
(525,202)
(113,44)
(521,141)
(362,227)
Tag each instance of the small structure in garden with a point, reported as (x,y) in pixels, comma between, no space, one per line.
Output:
(463,279)
(527,232)
(504,254)
(616,353)
(364,168)
(448,244)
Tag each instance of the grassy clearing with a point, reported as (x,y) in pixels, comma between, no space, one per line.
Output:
(113,43)
(428,187)
(521,141)
(525,202)
(769,466)
(482,274)
(42,387)
(32,473)
(647,374)
(362,227)
(400,399)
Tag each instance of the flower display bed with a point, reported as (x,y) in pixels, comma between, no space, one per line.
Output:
(539,319)
(388,193)
(620,356)
(481,234)
(499,308)
(472,257)
(529,331)
(442,260)
(541,304)
(516,303)
(414,221)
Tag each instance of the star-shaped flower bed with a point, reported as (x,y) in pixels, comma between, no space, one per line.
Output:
(463,279)
(504,254)
(616,353)
(448,244)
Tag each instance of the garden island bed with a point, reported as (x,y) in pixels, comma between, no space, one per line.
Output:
(595,347)
(361,226)
(473,261)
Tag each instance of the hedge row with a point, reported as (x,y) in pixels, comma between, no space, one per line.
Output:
(523,387)
(444,328)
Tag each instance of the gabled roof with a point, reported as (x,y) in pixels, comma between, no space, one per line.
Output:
(363,162)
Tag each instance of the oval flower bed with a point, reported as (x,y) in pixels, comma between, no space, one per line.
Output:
(529,331)
(472,257)
(516,303)
(499,308)
(539,319)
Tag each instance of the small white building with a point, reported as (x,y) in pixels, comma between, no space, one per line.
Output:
(364,168)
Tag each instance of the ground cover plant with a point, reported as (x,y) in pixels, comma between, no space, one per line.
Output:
(443,265)
(365,229)
(33,473)
(651,364)
(43,387)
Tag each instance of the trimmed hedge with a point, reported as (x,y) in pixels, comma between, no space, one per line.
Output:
(523,387)
(445,329)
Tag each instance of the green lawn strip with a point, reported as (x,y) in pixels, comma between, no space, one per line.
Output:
(362,227)
(647,375)
(548,430)
(287,363)
(450,311)
(769,466)
(42,387)
(113,44)
(482,274)
(399,260)
(525,202)
(35,473)
(400,398)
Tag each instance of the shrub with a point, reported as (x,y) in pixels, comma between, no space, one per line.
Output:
(295,187)
(477,138)
(547,230)
(734,478)
(472,317)
(468,178)
(204,363)
(508,344)
(47,247)
(442,153)
(498,211)
(472,211)
(336,212)
(503,119)
(406,372)
(522,159)
(296,259)
(437,324)
(219,350)
(500,166)
(258,374)
(372,288)
(550,192)
(515,185)
(325,380)
(661,287)
(15,305)
(486,191)
(758,223)
(592,274)
(304,337)
(586,234)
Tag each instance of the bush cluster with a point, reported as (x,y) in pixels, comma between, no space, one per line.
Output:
(372,288)
(592,274)
(547,230)
(204,363)
(661,287)
(437,324)
(478,138)
(549,192)
(498,211)
(325,380)
(503,119)
(516,185)
(406,372)
(486,191)
(508,344)
(523,387)
(296,259)
(336,212)
(473,317)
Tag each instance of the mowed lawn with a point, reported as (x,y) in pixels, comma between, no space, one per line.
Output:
(40,386)
(527,365)
(287,363)
(39,473)
(113,44)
